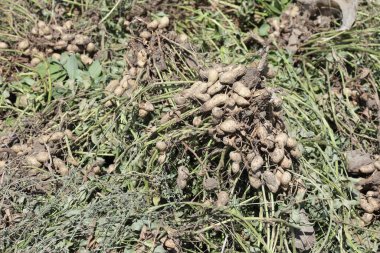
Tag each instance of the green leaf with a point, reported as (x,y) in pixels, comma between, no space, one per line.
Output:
(137,226)
(94,138)
(159,249)
(64,58)
(41,70)
(264,29)
(271,8)
(73,212)
(84,78)
(71,66)
(350,203)
(156,200)
(95,69)
(57,72)
(28,81)
(337,204)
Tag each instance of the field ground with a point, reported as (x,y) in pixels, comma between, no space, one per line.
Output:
(109,141)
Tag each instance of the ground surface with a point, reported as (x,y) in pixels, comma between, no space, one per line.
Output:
(188,126)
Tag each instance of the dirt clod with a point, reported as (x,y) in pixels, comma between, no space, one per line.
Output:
(357,159)
(210,184)
(223,198)
(271,181)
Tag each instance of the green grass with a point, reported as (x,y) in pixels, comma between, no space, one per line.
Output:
(107,213)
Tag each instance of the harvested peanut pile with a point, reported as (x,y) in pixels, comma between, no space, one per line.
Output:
(367,168)
(41,155)
(361,94)
(47,40)
(35,160)
(156,49)
(235,120)
(296,25)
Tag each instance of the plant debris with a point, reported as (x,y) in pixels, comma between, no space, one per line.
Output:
(152,126)
(50,40)
(154,46)
(40,157)
(348,9)
(367,167)
(305,236)
(295,26)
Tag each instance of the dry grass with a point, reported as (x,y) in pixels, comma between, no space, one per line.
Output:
(107,213)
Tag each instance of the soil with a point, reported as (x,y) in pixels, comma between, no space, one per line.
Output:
(296,25)
(250,146)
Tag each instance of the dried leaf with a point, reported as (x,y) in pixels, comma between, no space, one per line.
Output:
(356,159)
(347,7)
(305,236)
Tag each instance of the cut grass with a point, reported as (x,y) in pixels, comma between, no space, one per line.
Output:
(107,213)
(329,125)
